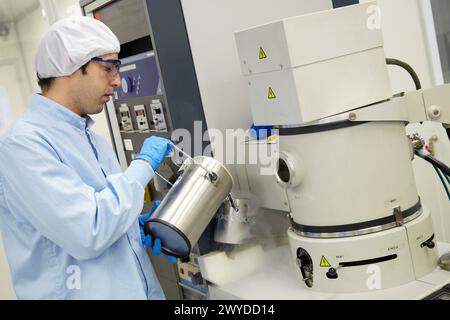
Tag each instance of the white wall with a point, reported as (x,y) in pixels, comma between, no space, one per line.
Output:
(15,83)
(405,38)
(66,8)
(30,30)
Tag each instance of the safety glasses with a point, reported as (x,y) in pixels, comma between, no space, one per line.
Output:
(113,71)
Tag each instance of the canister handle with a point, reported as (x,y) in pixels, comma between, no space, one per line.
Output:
(232,202)
(212,176)
(167,181)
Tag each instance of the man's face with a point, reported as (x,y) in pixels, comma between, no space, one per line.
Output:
(93,89)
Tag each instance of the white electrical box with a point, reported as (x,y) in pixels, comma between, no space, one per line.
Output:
(126,123)
(159,120)
(141,118)
(308,67)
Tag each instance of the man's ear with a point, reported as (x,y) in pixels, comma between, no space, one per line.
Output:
(77,75)
(82,71)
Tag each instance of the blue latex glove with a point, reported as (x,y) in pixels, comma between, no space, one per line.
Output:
(260,132)
(154,150)
(147,240)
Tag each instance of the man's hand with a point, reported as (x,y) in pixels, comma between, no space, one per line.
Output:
(147,240)
(154,150)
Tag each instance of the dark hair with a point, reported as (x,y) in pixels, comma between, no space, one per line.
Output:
(46,83)
(83,68)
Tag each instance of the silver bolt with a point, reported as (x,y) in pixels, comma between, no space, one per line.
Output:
(352,116)
(434,112)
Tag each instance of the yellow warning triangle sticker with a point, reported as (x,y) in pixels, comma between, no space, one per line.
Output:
(324,262)
(262,54)
(271,94)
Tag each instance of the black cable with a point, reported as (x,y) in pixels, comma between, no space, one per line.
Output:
(408,68)
(435,162)
(447,178)
(441,169)
(441,177)
(448,132)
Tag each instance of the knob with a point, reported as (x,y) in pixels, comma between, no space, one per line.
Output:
(429,243)
(332,273)
(127,85)
(434,112)
(197,278)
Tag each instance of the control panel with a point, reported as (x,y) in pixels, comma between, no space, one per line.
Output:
(139,101)
(144,115)
(139,77)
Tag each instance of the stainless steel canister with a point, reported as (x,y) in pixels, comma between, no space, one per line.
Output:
(190,205)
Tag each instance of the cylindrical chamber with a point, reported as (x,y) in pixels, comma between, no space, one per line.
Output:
(352,178)
(190,205)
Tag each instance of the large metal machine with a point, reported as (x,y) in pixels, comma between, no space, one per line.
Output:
(344,157)
(338,198)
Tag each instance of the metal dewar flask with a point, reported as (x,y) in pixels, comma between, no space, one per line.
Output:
(190,205)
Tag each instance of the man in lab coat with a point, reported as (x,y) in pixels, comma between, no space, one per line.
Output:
(68,214)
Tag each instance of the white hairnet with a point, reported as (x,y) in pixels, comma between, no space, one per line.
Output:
(72,42)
